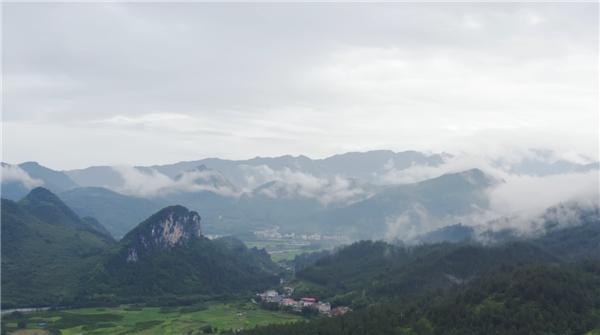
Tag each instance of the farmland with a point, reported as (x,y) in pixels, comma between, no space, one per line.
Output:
(197,319)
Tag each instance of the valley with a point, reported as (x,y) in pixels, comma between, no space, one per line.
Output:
(205,254)
(286,246)
(299,167)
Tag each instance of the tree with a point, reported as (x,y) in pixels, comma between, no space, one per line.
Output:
(424,327)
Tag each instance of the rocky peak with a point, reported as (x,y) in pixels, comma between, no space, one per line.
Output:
(170,227)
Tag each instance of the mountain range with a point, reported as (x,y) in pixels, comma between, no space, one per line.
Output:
(506,283)
(392,193)
(53,257)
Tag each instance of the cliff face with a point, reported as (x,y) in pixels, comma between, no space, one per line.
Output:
(170,227)
(167,255)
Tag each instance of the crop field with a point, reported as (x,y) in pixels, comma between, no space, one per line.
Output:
(199,319)
(286,250)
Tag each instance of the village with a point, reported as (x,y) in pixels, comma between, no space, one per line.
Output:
(273,233)
(284,301)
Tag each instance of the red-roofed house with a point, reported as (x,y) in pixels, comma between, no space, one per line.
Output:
(307,301)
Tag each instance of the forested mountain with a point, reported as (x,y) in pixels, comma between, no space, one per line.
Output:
(56,181)
(577,242)
(13,186)
(518,299)
(456,194)
(366,272)
(351,164)
(355,210)
(360,195)
(18,180)
(377,269)
(51,256)
(166,255)
(117,212)
(97,176)
(364,165)
(45,249)
(546,285)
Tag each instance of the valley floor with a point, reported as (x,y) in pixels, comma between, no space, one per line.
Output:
(219,317)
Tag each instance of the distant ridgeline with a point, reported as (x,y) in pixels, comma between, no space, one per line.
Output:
(351,196)
(52,257)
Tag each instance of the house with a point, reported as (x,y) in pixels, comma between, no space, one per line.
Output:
(323,307)
(276,299)
(288,302)
(307,302)
(270,296)
(287,290)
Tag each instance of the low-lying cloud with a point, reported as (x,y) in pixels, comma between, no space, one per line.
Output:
(151,183)
(291,183)
(531,195)
(13,173)
(518,202)
(286,183)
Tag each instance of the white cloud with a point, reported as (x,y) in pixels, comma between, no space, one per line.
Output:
(400,227)
(13,173)
(529,196)
(518,202)
(417,173)
(290,183)
(205,180)
(151,183)
(142,183)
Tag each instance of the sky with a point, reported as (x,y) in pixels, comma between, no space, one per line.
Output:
(108,83)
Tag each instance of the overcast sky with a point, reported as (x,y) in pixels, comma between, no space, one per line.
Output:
(88,84)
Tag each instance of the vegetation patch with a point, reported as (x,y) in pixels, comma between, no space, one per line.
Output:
(206,318)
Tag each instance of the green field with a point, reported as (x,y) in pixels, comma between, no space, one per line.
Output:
(285,250)
(154,320)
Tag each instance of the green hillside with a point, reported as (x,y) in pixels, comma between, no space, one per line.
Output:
(45,249)
(546,285)
(166,257)
(519,300)
(367,271)
(117,212)
(52,257)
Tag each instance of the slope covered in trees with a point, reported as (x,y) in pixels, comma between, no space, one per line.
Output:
(547,285)
(166,256)
(370,271)
(45,249)
(52,257)
(525,299)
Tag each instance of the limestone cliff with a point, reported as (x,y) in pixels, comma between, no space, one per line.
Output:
(170,227)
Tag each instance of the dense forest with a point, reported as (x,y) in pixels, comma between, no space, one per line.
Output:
(45,249)
(546,285)
(524,299)
(53,257)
